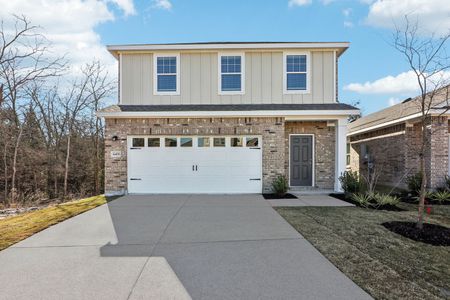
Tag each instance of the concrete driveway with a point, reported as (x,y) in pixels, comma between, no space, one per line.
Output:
(172,247)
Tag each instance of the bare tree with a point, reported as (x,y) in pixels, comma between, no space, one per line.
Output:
(24,59)
(100,87)
(428,59)
(43,115)
(86,94)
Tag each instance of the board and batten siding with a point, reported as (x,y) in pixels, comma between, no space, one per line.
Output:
(199,80)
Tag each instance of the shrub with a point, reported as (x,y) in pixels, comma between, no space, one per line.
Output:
(350,182)
(363,200)
(447,183)
(441,196)
(385,199)
(414,182)
(280,186)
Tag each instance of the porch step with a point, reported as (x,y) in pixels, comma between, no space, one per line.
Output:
(309,190)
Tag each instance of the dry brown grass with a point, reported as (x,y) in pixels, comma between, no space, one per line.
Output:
(383,263)
(17,228)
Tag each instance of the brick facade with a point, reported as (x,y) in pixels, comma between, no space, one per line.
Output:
(438,150)
(274,132)
(324,145)
(395,151)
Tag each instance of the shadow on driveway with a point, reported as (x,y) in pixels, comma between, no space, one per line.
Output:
(221,247)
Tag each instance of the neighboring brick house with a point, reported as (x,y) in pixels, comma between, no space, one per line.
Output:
(225,118)
(389,141)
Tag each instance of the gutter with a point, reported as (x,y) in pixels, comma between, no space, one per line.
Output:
(434,112)
(256,113)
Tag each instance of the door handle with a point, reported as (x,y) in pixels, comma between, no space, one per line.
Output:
(193,168)
(196,168)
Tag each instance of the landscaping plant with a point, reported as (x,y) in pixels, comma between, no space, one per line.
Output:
(280,186)
(385,199)
(447,183)
(441,196)
(351,182)
(363,199)
(414,181)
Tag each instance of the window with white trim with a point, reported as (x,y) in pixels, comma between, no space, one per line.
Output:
(296,73)
(231,74)
(166,77)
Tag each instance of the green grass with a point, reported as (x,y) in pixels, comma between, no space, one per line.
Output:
(14,229)
(386,265)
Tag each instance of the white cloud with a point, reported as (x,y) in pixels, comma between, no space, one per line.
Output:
(393,100)
(403,83)
(347,12)
(126,5)
(433,15)
(299,2)
(163,4)
(348,24)
(326,2)
(70,26)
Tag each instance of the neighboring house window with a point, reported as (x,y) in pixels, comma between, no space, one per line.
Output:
(364,150)
(348,154)
(166,75)
(231,74)
(296,73)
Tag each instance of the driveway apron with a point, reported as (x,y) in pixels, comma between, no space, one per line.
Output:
(172,247)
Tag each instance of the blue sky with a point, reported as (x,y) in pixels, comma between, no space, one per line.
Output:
(371,71)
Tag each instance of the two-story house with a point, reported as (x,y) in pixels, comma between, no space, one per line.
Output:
(225,118)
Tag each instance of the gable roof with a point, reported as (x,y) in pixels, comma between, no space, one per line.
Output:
(340,47)
(409,108)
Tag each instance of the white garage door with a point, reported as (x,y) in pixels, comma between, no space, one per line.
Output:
(218,164)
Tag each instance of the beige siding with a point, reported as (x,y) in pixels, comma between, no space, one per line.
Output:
(199,80)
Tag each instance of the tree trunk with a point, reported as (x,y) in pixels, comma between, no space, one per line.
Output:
(14,166)
(66,169)
(55,173)
(6,173)
(423,172)
(97,159)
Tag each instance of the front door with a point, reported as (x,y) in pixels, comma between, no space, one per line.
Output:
(301,160)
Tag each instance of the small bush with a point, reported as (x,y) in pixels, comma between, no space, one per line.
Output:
(363,200)
(447,183)
(441,196)
(384,199)
(414,182)
(280,186)
(350,182)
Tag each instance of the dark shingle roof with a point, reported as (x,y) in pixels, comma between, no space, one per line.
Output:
(235,107)
(405,109)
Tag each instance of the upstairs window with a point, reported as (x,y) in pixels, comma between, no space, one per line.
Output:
(231,74)
(296,73)
(166,75)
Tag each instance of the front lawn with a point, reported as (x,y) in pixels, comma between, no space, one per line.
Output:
(385,264)
(14,229)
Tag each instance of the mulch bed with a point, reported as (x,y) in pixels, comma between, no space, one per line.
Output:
(432,234)
(413,200)
(341,196)
(275,196)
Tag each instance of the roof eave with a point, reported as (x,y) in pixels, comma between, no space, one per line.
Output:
(328,114)
(412,117)
(341,47)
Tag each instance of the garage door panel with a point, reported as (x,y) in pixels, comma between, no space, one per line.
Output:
(194,170)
